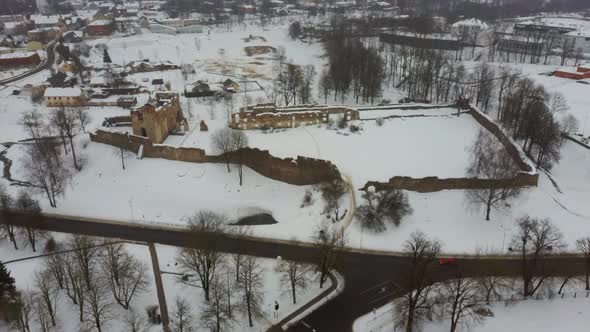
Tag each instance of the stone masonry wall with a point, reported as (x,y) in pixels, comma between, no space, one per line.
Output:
(300,171)
(527,177)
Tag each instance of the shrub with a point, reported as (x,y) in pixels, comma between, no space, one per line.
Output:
(383,206)
(354,128)
(307,199)
(379,121)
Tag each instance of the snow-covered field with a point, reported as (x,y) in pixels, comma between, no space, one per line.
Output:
(447,216)
(23,272)
(570,315)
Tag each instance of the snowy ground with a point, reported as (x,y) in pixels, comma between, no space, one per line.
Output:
(448,217)
(23,273)
(570,315)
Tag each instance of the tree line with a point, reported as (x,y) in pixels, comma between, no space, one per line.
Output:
(464,301)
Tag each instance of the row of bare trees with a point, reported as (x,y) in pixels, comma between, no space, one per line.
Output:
(231,284)
(13,231)
(464,300)
(355,66)
(44,165)
(93,275)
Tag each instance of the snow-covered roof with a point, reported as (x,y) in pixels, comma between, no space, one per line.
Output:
(579,33)
(101,22)
(43,19)
(63,92)
(17,55)
(471,22)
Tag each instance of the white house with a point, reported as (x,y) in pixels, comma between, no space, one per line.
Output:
(581,39)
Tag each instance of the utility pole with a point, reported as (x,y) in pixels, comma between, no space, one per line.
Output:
(160,289)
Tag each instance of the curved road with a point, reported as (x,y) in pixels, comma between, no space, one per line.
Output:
(48,63)
(368,274)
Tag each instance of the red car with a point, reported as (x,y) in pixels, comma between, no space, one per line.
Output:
(447,261)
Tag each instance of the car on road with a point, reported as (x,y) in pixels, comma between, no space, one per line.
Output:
(447,261)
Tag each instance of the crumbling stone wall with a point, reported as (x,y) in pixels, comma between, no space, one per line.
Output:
(270,116)
(432,184)
(300,171)
(527,177)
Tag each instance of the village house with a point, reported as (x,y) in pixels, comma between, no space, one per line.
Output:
(33,46)
(100,28)
(263,116)
(62,80)
(19,59)
(68,66)
(579,73)
(580,39)
(64,97)
(73,36)
(230,86)
(159,117)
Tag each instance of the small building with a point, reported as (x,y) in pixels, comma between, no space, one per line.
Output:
(581,39)
(64,97)
(246,9)
(19,59)
(127,24)
(62,80)
(100,28)
(73,36)
(198,89)
(33,46)
(68,66)
(159,117)
(579,73)
(468,27)
(230,86)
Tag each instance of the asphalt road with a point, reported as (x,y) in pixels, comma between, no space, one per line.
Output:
(369,275)
(50,60)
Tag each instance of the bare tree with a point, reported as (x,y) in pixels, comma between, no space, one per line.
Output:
(463,302)
(134,321)
(583,246)
(206,263)
(223,144)
(251,284)
(98,305)
(127,276)
(535,240)
(42,316)
(83,117)
(86,255)
(325,85)
(329,239)
(214,313)
(66,121)
(493,286)
(294,275)
(570,124)
(332,193)
(76,284)
(26,204)
(24,309)
(239,143)
(182,318)
(47,293)
(490,161)
(56,264)
(9,229)
(44,169)
(416,305)
(385,205)
(239,231)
